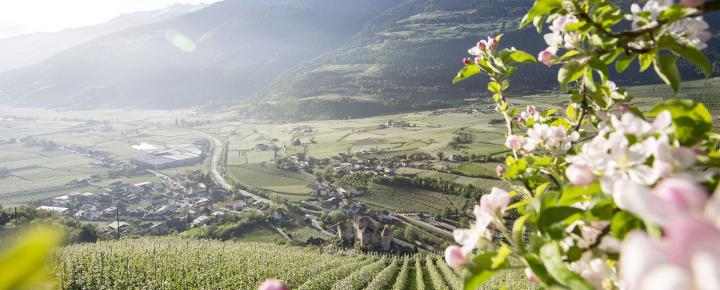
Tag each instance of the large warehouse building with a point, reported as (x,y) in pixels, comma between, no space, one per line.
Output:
(161,157)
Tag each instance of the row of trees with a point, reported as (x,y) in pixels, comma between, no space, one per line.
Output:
(429,183)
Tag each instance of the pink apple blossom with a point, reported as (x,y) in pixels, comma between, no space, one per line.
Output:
(682,195)
(531,109)
(495,202)
(531,276)
(500,170)
(454,257)
(492,42)
(579,175)
(272,284)
(514,142)
(670,200)
(687,257)
(547,56)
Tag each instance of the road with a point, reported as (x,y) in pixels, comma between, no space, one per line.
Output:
(216,149)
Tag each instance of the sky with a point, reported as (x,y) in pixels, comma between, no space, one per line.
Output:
(28,16)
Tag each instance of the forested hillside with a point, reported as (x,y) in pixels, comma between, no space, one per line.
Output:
(405,59)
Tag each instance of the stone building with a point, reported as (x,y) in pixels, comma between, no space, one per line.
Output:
(371,234)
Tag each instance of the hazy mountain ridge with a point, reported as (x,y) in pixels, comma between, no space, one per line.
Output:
(27,49)
(313,56)
(236,48)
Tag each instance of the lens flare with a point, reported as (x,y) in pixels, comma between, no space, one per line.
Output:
(180,41)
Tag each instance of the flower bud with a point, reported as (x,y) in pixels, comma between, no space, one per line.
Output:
(467,61)
(546,57)
(492,42)
(482,44)
(624,107)
(691,3)
(531,276)
(454,257)
(272,284)
(579,175)
(531,109)
(500,170)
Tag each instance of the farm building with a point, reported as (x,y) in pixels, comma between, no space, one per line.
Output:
(159,157)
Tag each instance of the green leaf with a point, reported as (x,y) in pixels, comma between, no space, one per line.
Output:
(622,64)
(518,229)
(690,53)
(521,56)
(479,271)
(610,57)
(600,67)
(666,69)
(569,72)
(691,120)
(552,220)
(573,194)
(22,263)
(494,87)
(552,259)
(466,72)
(539,9)
(571,112)
(624,222)
(515,169)
(539,269)
(501,257)
(646,59)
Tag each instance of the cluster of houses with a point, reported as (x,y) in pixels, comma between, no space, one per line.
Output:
(162,204)
(468,110)
(395,124)
(102,159)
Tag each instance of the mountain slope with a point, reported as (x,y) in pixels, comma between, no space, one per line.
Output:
(225,51)
(29,49)
(407,56)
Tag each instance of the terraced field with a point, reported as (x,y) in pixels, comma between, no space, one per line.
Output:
(196,264)
(402,199)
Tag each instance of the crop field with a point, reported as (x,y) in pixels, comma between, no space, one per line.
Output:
(402,199)
(197,264)
(271,178)
(477,169)
(302,234)
(484,183)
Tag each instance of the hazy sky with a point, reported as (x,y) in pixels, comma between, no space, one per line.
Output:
(25,16)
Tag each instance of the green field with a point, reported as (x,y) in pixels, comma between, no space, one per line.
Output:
(270,178)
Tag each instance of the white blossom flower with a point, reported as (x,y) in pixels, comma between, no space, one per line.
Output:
(595,271)
(550,138)
(691,31)
(470,238)
(491,207)
(648,13)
